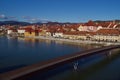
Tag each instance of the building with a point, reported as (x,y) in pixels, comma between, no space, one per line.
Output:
(109,35)
(29,32)
(21,31)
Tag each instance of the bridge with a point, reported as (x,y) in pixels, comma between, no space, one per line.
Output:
(20,74)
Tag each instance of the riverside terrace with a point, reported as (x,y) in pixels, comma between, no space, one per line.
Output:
(28,71)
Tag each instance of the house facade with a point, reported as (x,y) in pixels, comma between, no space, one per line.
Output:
(109,35)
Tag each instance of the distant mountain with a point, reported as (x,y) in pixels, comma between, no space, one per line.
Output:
(48,23)
(13,23)
(100,21)
(52,23)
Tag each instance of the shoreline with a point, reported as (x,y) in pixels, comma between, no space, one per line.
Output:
(75,41)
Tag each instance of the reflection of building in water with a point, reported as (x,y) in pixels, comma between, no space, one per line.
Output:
(48,41)
(20,38)
(59,42)
(83,45)
(29,39)
(41,40)
(32,41)
(44,40)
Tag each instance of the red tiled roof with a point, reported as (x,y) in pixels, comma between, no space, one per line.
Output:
(14,30)
(104,24)
(29,30)
(90,23)
(21,28)
(39,30)
(108,31)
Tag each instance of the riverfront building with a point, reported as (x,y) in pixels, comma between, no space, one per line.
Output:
(106,31)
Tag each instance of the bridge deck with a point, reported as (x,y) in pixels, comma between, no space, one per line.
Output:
(53,62)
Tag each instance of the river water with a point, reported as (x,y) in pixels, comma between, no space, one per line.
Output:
(19,52)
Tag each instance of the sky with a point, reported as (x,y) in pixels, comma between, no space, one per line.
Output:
(59,10)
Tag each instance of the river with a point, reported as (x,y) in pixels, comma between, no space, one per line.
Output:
(19,52)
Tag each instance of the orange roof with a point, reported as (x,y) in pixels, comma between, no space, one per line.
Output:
(108,31)
(104,24)
(21,28)
(39,30)
(29,30)
(90,23)
(14,30)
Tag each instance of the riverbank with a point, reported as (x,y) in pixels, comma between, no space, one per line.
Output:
(76,41)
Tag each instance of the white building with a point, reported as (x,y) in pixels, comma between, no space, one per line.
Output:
(58,34)
(9,31)
(21,31)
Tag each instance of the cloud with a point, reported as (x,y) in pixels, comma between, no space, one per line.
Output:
(4,17)
(26,17)
(30,19)
(34,20)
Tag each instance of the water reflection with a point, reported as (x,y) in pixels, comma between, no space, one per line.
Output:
(82,45)
(33,40)
(88,68)
(27,51)
(103,68)
(16,53)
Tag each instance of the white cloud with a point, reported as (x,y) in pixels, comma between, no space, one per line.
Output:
(34,20)
(4,17)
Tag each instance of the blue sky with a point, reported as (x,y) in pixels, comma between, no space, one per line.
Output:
(59,10)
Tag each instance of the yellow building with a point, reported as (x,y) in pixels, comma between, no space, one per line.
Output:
(29,33)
